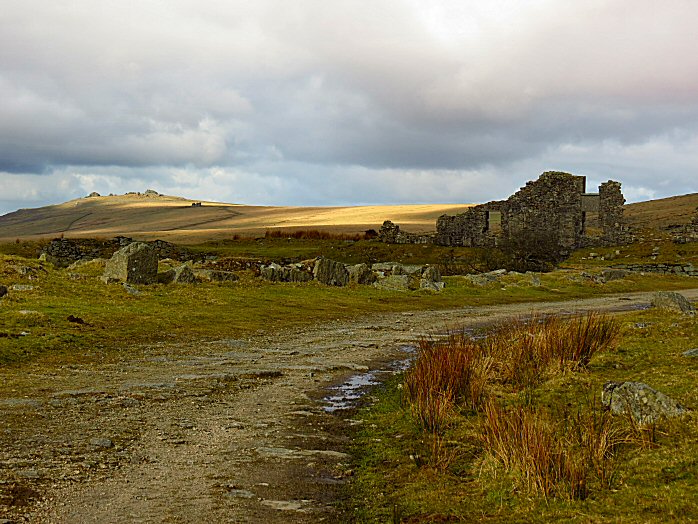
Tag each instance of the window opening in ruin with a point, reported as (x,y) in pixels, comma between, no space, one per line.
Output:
(493,222)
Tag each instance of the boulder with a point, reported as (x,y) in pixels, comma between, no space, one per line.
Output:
(613,274)
(361,274)
(215,275)
(137,263)
(644,404)
(431,274)
(430,285)
(183,274)
(331,273)
(483,279)
(276,273)
(673,301)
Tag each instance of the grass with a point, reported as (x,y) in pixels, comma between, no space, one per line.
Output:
(551,455)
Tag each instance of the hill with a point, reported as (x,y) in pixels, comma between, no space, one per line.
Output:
(150,216)
(663,212)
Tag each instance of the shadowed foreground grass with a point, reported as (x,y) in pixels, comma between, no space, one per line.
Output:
(542,453)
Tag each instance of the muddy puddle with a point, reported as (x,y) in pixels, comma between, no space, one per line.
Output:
(349,393)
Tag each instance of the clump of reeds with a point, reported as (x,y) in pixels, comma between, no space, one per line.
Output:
(525,351)
(445,375)
(549,457)
(313,234)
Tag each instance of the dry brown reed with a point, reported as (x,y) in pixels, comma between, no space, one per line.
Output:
(549,457)
(312,234)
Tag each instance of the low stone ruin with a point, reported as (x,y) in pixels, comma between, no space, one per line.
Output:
(386,275)
(137,263)
(556,206)
(62,252)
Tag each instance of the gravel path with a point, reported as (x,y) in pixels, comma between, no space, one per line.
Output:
(229,431)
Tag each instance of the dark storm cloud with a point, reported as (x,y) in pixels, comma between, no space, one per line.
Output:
(317,102)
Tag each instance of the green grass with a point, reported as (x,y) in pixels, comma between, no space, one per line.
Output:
(400,471)
(116,320)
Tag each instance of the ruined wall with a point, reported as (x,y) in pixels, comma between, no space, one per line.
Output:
(554,208)
(390,233)
(467,229)
(611,202)
(550,207)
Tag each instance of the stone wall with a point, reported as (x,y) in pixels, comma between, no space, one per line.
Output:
(665,269)
(390,233)
(550,207)
(611,202)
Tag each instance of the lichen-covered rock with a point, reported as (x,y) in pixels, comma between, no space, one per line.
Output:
(430,285)
(137,263)
(183,274)
(644,404)
(330,272)
(361,274)
(276,273)
(215,275)
(670,300)
(613,274)
(431,274)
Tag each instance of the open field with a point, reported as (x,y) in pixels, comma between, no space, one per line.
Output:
(174,219)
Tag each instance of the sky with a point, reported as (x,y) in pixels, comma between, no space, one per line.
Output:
(316,102)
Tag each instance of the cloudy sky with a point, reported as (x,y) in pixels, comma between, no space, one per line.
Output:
(316,102)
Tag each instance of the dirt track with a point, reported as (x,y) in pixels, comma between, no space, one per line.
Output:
(230,431)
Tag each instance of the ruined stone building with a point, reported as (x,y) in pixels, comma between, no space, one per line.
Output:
(556,206)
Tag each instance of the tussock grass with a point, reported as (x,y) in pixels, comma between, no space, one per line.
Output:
(550,457)
(457,372)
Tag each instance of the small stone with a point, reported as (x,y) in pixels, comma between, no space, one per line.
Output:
(691,353)
(101,443)
(22,287)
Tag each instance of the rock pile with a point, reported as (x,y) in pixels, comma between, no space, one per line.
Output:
(387,275)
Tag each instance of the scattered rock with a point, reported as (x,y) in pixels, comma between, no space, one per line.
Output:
(131,290)
(22,287)
(430,285)
(330,272)
(398,283)
(644,404)
(613,274)
(673,301)
(691,353)
(137,263)
(361,274)
(276,273)
(214,275)
(101,443)
(183,274)
(240,493)
(431,274)
(483,279)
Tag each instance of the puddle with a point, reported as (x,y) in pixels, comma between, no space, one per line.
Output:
(348,394)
